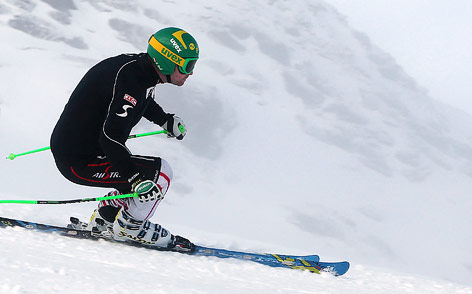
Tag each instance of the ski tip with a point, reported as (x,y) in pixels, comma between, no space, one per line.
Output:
(336,268)
(344,267)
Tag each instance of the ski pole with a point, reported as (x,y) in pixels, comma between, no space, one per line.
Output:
(13,156)
(69,201)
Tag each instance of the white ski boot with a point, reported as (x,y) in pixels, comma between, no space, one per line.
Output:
(126,228)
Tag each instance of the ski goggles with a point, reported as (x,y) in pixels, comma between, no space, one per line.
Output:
(186,65)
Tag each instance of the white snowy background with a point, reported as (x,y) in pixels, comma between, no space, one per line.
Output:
(304,137)
(431,40)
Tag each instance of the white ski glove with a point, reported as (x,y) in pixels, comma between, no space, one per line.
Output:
(147,190)
(175,127)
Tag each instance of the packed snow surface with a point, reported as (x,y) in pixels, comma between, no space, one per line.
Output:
(52,264)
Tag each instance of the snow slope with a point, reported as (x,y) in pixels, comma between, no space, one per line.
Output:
(303,138)
(84,266)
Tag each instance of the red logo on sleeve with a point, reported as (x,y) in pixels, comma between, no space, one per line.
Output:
(130,99)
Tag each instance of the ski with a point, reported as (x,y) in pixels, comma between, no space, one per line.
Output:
(311,263)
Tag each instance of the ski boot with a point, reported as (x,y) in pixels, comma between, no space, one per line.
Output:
(126,228)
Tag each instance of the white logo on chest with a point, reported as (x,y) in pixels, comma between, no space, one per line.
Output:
(125,113)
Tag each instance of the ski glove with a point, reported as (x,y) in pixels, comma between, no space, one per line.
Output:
(175,127)
(147,190)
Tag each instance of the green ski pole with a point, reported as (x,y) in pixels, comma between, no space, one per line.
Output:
(13,156)
(68,201)
(147,134)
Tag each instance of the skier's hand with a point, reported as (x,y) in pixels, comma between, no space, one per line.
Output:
(147,190)
(175,127)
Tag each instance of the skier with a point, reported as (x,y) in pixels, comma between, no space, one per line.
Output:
(88,141)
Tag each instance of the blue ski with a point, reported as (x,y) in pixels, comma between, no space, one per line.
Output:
(311,263)
(307,262)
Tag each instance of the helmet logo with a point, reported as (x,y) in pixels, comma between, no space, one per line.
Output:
(166,52)
(178,35)
(176,46)
(157,63)
(172,56)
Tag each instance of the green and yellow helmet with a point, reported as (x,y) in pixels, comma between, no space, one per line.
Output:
(173,46)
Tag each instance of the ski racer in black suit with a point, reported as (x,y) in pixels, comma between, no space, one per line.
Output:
(88,141)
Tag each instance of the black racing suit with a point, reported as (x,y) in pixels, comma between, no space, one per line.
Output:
(88,142)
